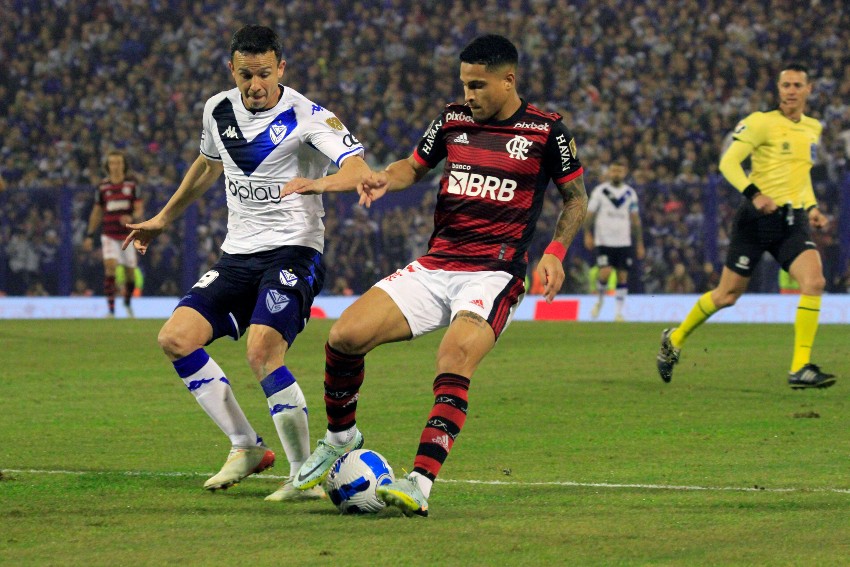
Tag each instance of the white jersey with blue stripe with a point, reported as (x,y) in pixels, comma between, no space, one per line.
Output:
(261,152)
(613,206)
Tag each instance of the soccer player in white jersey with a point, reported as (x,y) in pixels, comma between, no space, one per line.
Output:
(612,226)
(263,136)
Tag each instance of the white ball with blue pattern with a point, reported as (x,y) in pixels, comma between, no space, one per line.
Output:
(352,481)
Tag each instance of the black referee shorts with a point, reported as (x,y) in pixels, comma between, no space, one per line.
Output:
(784,233)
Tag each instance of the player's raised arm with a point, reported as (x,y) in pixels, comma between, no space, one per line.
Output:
(198,179)
(551,268)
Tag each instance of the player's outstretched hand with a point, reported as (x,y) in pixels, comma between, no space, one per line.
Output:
(551,272)
(302,186)
(372,187)
(142,233)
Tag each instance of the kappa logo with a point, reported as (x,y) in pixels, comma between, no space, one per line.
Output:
(478,303)
(462,138)
(287,278)
(230,132)
(277,133)
(317,108)
(518,147)
(280,407)
(276,301)
(442,441)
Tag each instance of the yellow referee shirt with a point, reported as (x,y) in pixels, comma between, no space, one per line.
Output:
(783,152)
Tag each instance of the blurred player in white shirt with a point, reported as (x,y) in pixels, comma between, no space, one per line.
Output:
(611,227)
(264,137)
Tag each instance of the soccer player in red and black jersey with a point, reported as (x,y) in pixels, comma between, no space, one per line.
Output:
(116,203)
(500,155)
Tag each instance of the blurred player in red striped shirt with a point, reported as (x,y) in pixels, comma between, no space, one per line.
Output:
(117,202)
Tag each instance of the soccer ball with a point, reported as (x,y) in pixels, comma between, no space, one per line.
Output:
(352,481)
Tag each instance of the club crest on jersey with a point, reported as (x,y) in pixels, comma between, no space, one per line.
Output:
(287,278)
(518,147)
(277,133)
(276,301)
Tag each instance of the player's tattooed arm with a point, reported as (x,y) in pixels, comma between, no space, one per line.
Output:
(574,211)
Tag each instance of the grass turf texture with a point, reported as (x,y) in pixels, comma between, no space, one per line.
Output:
(570,403)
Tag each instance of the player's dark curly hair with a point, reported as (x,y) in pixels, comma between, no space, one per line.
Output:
(256,40)
(491,51)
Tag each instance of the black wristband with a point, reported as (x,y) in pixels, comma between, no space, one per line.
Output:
(751,191)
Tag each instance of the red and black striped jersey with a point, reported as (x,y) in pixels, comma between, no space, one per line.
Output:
(116,200)
(494,180)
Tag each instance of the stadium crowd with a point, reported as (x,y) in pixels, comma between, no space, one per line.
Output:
(662,85)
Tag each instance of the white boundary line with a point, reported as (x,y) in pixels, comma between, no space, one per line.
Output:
(484,482)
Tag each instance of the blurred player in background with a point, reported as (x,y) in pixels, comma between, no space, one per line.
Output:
(117,203)
(500,154)
(611,227)
(775,217)
(262,135)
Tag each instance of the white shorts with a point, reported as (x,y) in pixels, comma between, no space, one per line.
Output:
(112,251)
(430,299)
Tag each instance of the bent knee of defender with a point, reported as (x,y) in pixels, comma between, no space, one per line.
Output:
(813,285)
(174,344)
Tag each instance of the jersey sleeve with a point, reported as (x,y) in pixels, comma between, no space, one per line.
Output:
(327,134)
(634,207)
(431,149)
(560,158)
(208,148)
(751,130)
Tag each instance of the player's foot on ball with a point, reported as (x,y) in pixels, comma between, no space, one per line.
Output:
(241,462)
(316,467)
(287,492)
(810,376)
(405,495)
(668,356)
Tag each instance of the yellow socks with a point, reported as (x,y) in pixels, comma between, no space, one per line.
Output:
(700,312)
(805,328)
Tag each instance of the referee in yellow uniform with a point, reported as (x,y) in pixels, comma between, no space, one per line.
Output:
(775,217)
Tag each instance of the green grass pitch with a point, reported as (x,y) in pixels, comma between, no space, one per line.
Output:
(574,453)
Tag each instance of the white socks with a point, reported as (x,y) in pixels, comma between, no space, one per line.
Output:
(288,409)
(205,379)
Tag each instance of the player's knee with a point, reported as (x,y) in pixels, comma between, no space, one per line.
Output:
(455,359)
(343,337)
(173,344)
(813,285)
(259,360)
(724,299)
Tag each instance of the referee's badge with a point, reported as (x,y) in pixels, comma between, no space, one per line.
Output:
(287,278)
(276,301)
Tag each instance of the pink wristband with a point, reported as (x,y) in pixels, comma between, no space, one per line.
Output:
(557,249)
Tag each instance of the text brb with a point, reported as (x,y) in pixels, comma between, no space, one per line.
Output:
(477,185)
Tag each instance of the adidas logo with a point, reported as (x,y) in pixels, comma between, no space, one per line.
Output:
(442,441)
(478,303)
(462,139)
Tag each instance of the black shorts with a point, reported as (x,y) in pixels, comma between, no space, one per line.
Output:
(274,287)
(784,233)
(617,257)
